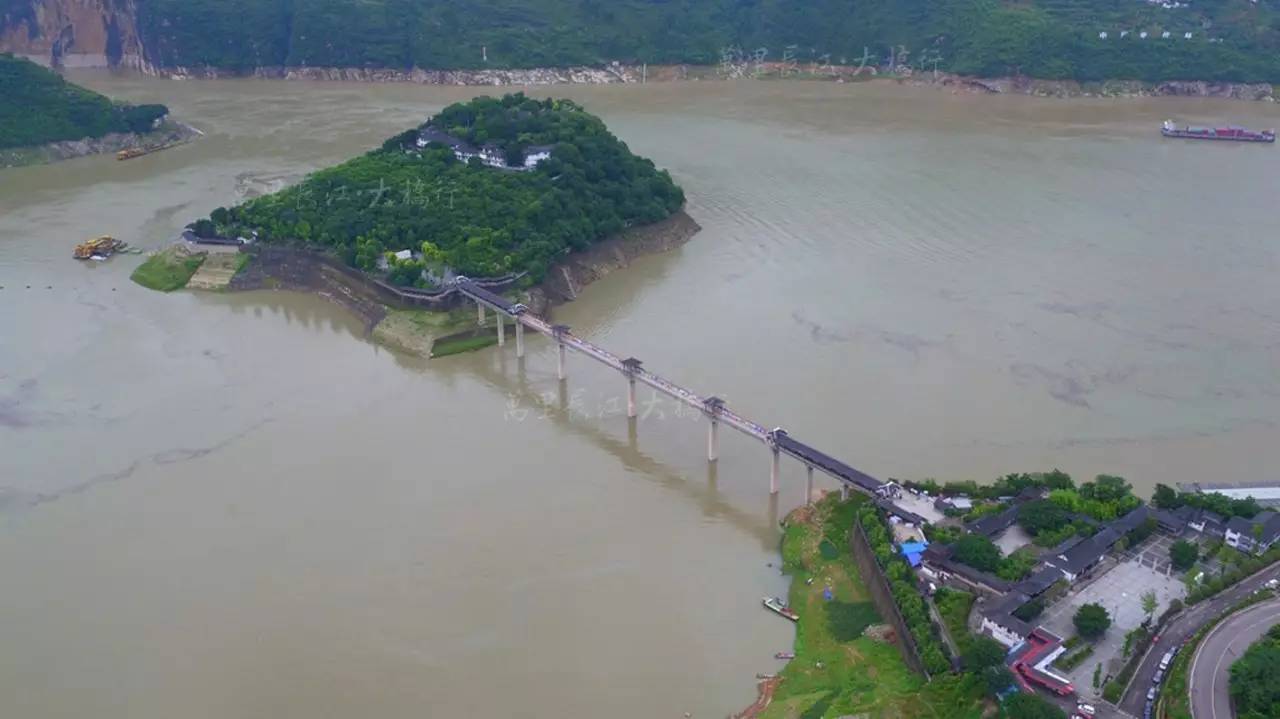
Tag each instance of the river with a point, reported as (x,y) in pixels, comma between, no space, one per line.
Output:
(235,505)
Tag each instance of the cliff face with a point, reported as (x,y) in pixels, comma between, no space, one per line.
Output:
(72,33)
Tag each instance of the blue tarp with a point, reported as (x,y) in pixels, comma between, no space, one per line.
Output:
(912,551)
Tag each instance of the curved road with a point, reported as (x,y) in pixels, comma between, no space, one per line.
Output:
(1210,668)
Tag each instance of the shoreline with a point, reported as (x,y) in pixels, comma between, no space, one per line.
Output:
(415,329)
(170,133)
(619,73)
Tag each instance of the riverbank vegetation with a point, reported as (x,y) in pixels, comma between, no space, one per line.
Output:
(1041,38)
(168,269)
(41,107)
(465,216)
(846,662)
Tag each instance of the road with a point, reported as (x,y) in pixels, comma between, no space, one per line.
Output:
(1210,669)
(1183,627)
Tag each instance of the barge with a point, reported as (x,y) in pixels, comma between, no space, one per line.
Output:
(1231,133)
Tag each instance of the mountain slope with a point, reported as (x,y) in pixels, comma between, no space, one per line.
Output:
(1230,39)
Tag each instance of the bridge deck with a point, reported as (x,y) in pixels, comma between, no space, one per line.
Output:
(779,439)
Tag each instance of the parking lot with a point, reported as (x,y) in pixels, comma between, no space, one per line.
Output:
(1120,592)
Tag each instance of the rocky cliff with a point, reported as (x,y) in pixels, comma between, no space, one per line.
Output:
(73,33)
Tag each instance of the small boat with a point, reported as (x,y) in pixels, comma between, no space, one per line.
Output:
(1232,133)
(785,655)
(780,607)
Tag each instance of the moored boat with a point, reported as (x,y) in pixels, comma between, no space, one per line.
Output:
(777,605)
(1231,133)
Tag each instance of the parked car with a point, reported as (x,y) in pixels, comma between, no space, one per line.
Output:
(1272,583)
(1159,677)
(1151,694)
(1086,709)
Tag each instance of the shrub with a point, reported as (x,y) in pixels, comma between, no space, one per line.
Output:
(1091,620)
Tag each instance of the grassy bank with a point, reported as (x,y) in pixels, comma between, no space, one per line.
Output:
(427,333)
(168,270)
(447,347)
(845,660)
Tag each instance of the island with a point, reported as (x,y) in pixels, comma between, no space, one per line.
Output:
(509,192)
(46,118)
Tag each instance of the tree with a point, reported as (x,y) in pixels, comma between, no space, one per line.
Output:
(1031,706)
(1030,610)
(1042,516)
(1091,620)
(978,552)
(1255,679)
(1183,554)
(1149,603)
(1165,497)
(983,653)
(997,678)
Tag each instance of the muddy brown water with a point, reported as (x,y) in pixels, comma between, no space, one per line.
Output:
(235,505)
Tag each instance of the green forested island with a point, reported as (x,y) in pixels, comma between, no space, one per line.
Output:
(1230,39)
(37,107)
(536,179)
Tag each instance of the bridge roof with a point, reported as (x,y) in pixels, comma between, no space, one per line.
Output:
(827,463)
(492,298)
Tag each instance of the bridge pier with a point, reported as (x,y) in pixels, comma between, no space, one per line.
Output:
(479,313)
(560,362)
(502,330)
(808,484)
(631,397)
(519,339)
(713,441)
(844,491)
(773,472)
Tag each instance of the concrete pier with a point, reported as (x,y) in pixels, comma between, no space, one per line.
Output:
(777,439)
(502,331)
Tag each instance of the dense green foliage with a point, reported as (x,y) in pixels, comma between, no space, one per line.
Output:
(1031,706)
(981,653)
(905,595)
(1183,554)
(1043,38)
(1004,487)
(980,552)
(1166,497)
(37,107)
(476,220)
(1255,679)
(1091,620)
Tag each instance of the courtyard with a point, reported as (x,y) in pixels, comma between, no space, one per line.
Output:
(1120,592)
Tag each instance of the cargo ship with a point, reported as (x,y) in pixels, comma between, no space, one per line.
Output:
(1231,132)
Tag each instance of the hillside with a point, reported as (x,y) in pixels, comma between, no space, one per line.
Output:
(39,107)
(1231,39)
(551,179)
